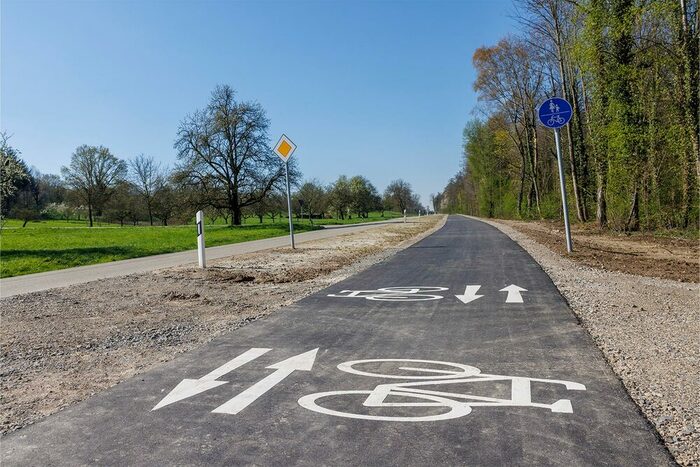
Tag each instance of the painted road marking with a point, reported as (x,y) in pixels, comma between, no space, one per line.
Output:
(302,362)
(469,294)
(419,379)
(514,295)
(458,404)
(191,387)
(394,294)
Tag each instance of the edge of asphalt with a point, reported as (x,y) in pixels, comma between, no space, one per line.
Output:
(650,425)
(29,283)
(356,267)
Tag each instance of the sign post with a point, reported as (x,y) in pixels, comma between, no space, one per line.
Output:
(284,149)
(554,113)
(200,240)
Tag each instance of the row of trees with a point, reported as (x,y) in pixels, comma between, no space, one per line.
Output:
(353,195)
(95,184)
(630,69)
(225,167)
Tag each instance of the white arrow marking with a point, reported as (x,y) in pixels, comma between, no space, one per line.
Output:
(469,294)
(191,387)
(513,293)
(303,362)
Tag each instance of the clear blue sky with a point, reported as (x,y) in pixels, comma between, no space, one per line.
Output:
(376,88)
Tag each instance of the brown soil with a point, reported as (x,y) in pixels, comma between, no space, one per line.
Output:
(60,346)
(641,254)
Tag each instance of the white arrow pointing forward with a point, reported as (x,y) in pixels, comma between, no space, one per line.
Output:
(191,387)
(513,293)
(469,294)
(302,362)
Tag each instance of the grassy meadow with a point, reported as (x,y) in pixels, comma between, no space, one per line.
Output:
(58,244)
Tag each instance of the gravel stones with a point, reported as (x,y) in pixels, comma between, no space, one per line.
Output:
(649,331)
(62,345)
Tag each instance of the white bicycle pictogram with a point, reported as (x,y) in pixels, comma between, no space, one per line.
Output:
(556,120)
(394,294)
(457,404)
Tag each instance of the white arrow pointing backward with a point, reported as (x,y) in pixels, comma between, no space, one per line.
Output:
(513,293)
(191,387)
(469,294)
(303,362)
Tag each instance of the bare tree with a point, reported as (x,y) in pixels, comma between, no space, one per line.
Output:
(93,172)
(552,28)
(398,194)
(435,201)
(165,203)
(510,79)
(224,152)
(275,203)
(147,176)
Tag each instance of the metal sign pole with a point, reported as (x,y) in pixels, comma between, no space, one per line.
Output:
(562,183)
(200,240)
(289,204)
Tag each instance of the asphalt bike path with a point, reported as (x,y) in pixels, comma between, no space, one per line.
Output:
(458,350)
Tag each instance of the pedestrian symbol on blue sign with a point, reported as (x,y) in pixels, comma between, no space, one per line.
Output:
(555,112)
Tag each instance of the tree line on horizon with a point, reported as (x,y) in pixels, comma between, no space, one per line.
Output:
(630,69)
(225,167)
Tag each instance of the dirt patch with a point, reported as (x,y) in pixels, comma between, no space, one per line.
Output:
(640,254)
(647,328)
(60,346)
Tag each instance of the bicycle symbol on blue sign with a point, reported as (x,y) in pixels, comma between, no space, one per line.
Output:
(555,112)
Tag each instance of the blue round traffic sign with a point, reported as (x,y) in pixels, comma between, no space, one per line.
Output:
(555,112)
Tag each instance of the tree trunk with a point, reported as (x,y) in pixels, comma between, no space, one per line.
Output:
(633,218)
(690,77)
(521,190)
(568,95)
(535,159)
(90,213)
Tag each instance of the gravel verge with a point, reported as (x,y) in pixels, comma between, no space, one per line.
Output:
(63,345)
(648,329)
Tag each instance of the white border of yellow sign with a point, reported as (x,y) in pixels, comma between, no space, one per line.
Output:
(280,148)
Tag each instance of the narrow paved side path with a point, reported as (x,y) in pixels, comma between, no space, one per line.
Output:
(79,275)
(456,351)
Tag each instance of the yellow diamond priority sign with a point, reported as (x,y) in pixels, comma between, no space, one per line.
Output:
(285,148)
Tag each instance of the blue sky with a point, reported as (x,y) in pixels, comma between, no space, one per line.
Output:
(377,88)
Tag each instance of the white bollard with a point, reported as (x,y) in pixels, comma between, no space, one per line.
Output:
(404,216)
(200,240)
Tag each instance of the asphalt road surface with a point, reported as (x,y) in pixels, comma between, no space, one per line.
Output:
(402,364)
(82,274)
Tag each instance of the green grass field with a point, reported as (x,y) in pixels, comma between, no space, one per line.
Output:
(45,248)
(57,244)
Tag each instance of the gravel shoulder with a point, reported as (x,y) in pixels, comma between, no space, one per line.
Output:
(63,345)
(648,328)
